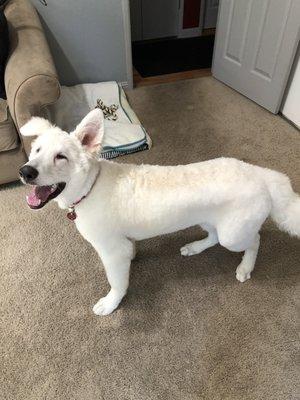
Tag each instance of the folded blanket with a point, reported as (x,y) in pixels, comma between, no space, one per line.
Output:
(123,136)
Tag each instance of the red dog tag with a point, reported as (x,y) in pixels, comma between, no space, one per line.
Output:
(72,215)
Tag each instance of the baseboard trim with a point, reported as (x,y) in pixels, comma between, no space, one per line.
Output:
(125,85)
(288,120)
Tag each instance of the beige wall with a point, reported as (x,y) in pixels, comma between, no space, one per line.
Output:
(87,39)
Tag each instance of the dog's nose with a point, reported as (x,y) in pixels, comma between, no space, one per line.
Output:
(28,173)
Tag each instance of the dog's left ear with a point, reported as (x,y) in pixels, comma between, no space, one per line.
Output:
(35,126)
(90,131)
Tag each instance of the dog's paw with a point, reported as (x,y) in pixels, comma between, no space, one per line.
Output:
(187,250)
(106,305)
(242,276)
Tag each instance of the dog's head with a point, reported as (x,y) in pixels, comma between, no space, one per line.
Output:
(57,156)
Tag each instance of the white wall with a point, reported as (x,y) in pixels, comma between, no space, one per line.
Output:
(291,104)
(88,39)
(211,13)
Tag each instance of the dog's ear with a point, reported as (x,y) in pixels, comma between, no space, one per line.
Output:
(35,126)
(90,131)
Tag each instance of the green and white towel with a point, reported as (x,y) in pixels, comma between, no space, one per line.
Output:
(123,136)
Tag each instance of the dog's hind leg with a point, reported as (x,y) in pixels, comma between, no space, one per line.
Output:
(200,245)
(116,257)
(239,231)
(243,271)
(241,238)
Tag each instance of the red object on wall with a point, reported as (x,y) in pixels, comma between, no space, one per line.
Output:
(191,14)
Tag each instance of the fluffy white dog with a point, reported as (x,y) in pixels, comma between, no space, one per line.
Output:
(114,204)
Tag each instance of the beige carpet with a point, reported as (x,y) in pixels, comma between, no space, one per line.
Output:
(187,329)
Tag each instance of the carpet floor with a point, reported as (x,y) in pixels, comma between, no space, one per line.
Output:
(187,330)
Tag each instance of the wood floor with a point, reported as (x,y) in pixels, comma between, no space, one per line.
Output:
(139,81)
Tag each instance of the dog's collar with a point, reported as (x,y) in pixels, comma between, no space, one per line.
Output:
(72,213)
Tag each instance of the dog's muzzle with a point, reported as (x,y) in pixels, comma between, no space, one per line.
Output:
(28,173)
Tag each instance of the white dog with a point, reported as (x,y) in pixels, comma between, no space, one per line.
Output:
(115,204)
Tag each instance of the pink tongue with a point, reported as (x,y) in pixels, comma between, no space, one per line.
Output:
(39,195)
(32,199)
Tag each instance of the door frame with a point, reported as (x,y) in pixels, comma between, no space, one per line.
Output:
(127,41)
(190,32)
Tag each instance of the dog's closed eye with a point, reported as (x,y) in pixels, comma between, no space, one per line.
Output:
(60,156)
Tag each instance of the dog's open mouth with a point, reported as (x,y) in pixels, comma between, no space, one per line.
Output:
(40,195)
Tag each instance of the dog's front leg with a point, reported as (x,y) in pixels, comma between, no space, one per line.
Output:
(116,258)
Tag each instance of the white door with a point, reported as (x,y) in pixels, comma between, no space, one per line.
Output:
(255,45)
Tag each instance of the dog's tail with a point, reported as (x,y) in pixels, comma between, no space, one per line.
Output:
(285,202)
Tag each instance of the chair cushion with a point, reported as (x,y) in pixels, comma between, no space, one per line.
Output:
(9,138)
